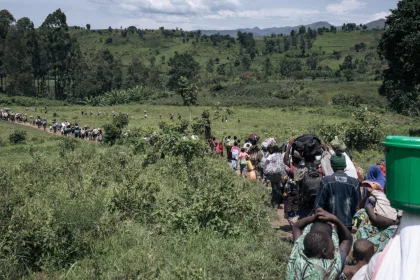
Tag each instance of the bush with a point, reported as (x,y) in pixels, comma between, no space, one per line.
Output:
(18,136)
(347,99)
(364,132)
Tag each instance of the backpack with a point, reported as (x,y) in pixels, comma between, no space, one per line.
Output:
(235,154)
(310,184)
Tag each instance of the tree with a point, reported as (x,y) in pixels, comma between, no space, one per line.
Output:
(286,43)
(290,65)
(364,27)
(88,26)
(246,63)
(6,19)
(188,91)
(294,41)
(182,65)
(132,29)
(302,46)
(348,63)
(110,30)
(137,74)
(18,64)
(302,30)
(62,52)
(210,66)
(268,67)
(400,45)
(269,46)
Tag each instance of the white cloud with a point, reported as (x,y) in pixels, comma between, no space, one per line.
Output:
(345,7)
(128,7)
(175,6)
(262,13)
(379,16)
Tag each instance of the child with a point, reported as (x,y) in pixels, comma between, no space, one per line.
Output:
(235,156)
(363,250)
(243,156)
(317,253)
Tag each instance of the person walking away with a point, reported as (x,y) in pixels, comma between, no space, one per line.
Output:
(219,148)
(243,157)
(235,156)
(339,147)
(319,250)
(253,155)
(76,130)
(228,146)
(44,124)
(262,155)
(339,193)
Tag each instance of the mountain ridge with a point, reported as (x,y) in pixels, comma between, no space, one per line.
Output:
(258,32)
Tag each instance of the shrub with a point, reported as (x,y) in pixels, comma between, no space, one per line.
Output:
(18,136)
(363,133)
(347,99)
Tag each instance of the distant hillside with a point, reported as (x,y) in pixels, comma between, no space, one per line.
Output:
(267,31)
(377,24)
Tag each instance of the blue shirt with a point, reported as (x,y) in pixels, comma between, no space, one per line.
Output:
(339,194)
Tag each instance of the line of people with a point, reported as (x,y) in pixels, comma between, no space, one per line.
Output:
(341,218)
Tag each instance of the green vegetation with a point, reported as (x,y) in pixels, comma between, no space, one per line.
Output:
(109,67)
(400,47)
(164,208)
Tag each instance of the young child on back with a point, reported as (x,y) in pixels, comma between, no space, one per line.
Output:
(317,251)
(363,251)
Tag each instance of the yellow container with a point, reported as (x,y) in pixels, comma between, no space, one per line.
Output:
(249,165)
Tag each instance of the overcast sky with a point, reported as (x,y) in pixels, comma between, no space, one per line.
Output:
(202,14)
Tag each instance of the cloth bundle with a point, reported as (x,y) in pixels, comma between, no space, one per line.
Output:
(275,168)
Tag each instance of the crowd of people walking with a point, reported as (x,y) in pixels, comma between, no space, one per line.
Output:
(64,128)
(341,217)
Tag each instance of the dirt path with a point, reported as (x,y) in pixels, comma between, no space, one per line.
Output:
(279,223)
(58,133)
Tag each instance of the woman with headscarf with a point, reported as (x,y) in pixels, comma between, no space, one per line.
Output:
(374,174)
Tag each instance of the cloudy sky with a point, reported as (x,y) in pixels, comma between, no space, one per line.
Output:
(202,14)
